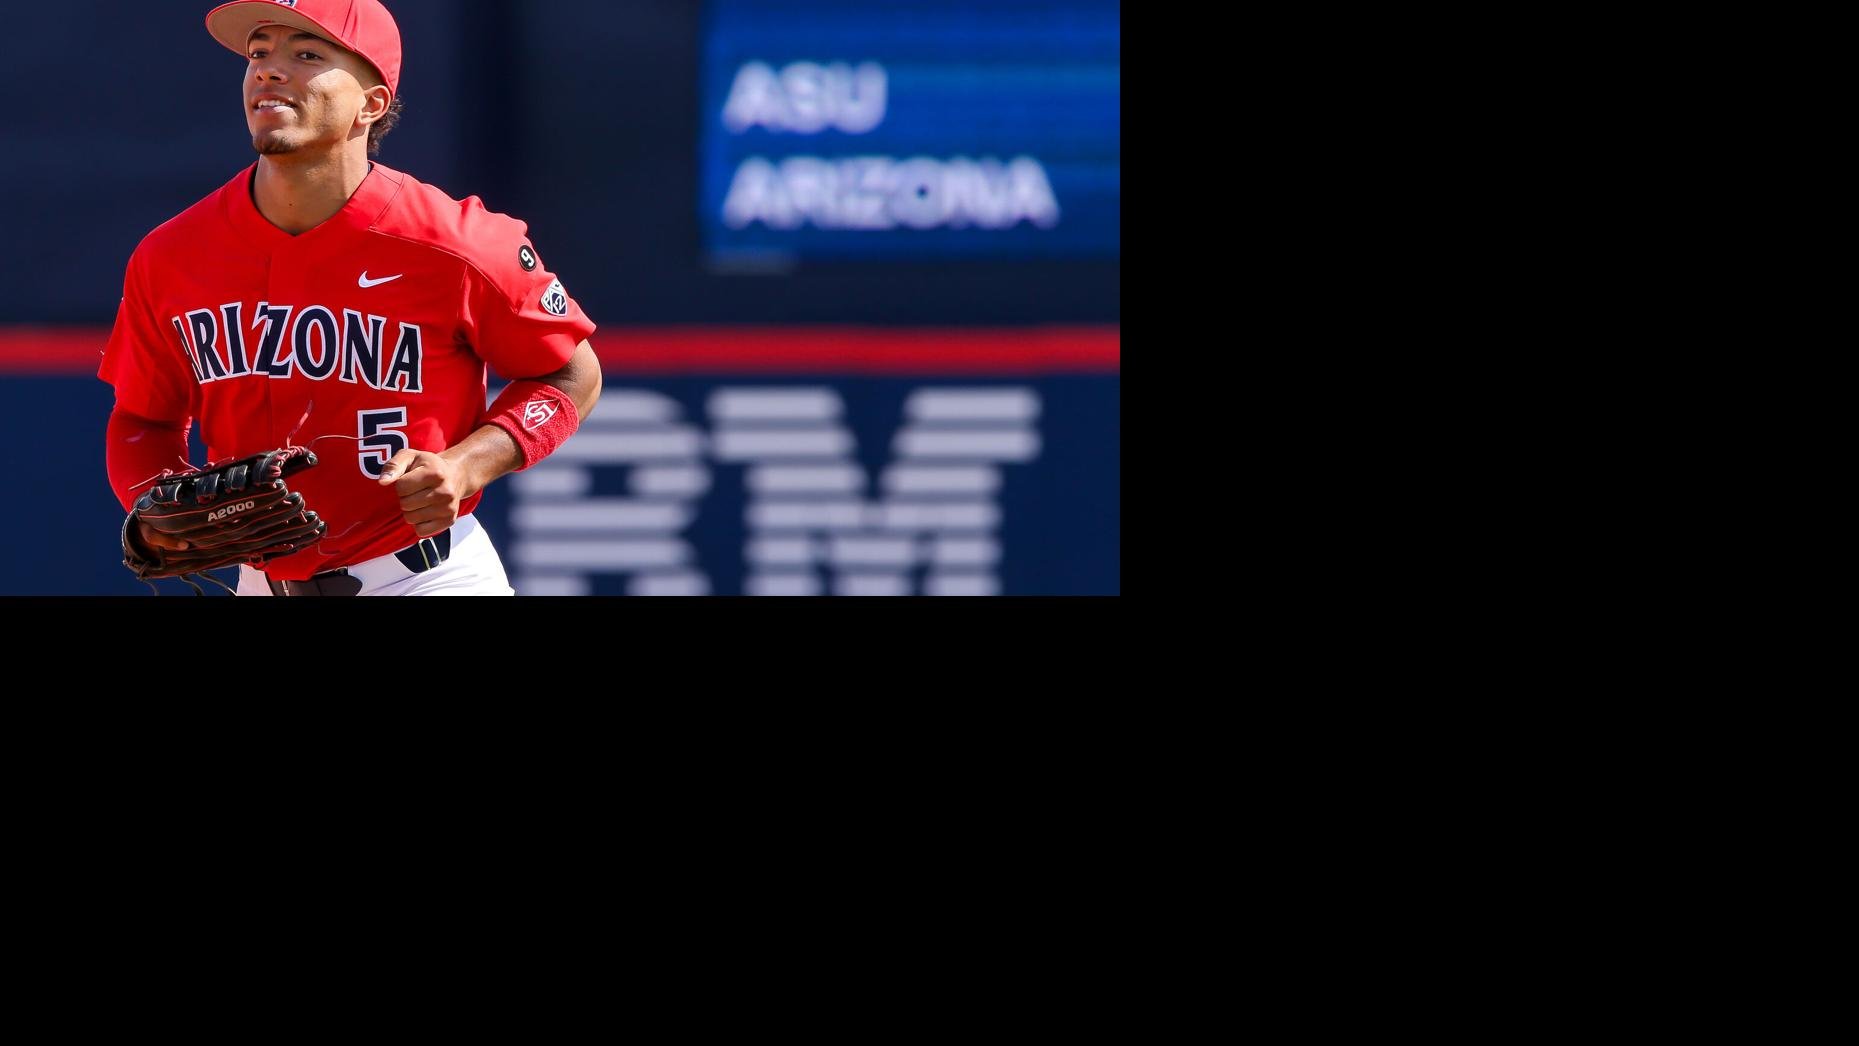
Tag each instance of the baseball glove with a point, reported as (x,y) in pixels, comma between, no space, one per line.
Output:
(239,511)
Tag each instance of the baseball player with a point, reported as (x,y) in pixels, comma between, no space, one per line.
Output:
(322,300)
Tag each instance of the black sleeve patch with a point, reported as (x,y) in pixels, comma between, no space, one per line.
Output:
(528,258)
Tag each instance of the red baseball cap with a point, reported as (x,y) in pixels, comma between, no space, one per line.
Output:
(362,26)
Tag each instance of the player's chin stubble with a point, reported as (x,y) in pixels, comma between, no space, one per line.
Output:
(273,145)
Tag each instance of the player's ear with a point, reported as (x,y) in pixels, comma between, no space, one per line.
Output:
(374,103)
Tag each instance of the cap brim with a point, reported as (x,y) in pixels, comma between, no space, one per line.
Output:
(233,25)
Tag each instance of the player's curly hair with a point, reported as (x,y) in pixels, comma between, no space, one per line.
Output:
(378,129)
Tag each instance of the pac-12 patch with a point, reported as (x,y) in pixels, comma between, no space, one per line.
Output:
(537,413)
(528,258)
(556,300)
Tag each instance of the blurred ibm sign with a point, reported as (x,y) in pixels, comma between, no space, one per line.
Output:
(814,521)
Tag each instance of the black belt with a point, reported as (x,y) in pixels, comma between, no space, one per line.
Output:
(419,557)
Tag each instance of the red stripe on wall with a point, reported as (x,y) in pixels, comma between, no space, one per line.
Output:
(727,350)
(860,350)
(55,350)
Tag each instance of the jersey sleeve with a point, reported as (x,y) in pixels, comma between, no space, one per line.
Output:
(518,315)
(144,361)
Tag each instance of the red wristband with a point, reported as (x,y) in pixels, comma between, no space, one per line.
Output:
(539,417)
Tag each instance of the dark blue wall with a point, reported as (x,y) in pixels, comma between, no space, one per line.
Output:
(579,116)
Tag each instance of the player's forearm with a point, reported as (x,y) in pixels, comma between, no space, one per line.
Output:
(491,452)
(484,457)
(137,450)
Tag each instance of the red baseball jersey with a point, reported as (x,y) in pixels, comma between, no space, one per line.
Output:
(376,325)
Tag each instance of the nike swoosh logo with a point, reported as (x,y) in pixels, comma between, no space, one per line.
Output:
(366,282)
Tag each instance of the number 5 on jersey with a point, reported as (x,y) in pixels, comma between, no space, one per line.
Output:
(379,439)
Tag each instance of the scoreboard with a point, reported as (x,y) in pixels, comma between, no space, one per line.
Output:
(916,130)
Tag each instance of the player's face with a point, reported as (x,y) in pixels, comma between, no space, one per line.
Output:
(302,92)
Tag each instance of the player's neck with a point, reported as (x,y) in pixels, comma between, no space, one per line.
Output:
(297,193)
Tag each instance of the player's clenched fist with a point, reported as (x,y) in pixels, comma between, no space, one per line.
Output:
(431,489)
